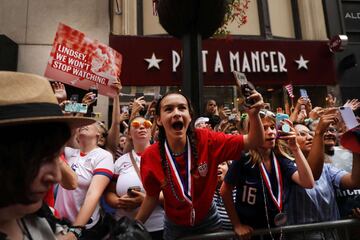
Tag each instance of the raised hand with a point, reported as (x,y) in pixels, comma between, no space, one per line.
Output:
(137,106)
(89,98)
(258,103)
(117,86)
(122,117)
(354,104)
(329,117)
(289,137)
(59,91)
(316,112)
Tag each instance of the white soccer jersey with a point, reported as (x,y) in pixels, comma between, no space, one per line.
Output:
(98,161)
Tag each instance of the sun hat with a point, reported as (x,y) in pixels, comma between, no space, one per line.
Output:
(201,120)
(27,98)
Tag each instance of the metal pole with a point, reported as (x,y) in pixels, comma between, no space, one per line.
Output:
(192,85)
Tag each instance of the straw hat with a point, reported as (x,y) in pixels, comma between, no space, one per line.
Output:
(28,98)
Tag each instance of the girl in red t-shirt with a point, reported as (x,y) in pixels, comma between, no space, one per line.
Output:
(183,164)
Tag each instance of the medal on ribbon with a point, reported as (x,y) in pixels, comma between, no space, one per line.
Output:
(185,184)
(281,217)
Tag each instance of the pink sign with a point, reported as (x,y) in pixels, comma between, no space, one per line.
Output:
(82,62)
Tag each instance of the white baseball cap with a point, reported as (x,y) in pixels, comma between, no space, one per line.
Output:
(201,120)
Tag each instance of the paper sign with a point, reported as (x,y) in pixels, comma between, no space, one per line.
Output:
(82,62)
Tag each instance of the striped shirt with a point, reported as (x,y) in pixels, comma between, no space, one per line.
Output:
(319,203)
(224,218)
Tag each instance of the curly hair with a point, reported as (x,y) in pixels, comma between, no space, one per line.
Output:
(23,150)
(162,138)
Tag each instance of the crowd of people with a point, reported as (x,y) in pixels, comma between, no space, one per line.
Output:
(162,171)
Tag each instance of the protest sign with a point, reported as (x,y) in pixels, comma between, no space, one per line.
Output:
(82,62)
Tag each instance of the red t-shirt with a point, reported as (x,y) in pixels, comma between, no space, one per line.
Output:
(213,148)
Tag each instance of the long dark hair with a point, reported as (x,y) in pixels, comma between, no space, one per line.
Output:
(23,150)
(162,138)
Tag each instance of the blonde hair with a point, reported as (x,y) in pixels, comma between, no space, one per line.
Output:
(281,146)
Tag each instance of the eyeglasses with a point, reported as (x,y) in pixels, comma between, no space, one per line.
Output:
(136,124)
(264,113)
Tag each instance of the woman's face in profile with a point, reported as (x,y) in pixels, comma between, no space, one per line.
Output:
(48,174)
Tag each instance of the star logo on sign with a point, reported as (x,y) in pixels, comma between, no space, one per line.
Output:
(302,63)
(153,62)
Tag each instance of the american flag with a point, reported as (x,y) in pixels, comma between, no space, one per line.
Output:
(289,89)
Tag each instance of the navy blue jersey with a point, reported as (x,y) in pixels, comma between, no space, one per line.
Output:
(249,204)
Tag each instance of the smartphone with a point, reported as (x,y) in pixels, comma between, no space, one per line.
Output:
(303,93)
(284,127)
(125,109)
(246,89)
(348,117)
(75,107)
(130,189)
(94,90)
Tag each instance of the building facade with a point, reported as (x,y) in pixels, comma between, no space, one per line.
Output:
(32,24)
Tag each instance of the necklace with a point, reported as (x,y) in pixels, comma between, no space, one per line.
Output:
(266,211)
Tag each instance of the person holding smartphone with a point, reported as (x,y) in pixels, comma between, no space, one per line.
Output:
(301,111)
(183,165)
(262,179)
(126,192)
(319,203)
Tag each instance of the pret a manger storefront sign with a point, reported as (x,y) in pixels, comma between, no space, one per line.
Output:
(151,61)
(254,61)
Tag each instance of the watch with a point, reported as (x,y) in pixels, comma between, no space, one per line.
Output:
(76,231)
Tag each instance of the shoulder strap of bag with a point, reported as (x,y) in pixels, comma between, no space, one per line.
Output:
(134,164)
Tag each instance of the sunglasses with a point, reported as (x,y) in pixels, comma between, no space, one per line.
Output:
(264,113)
(136,124)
